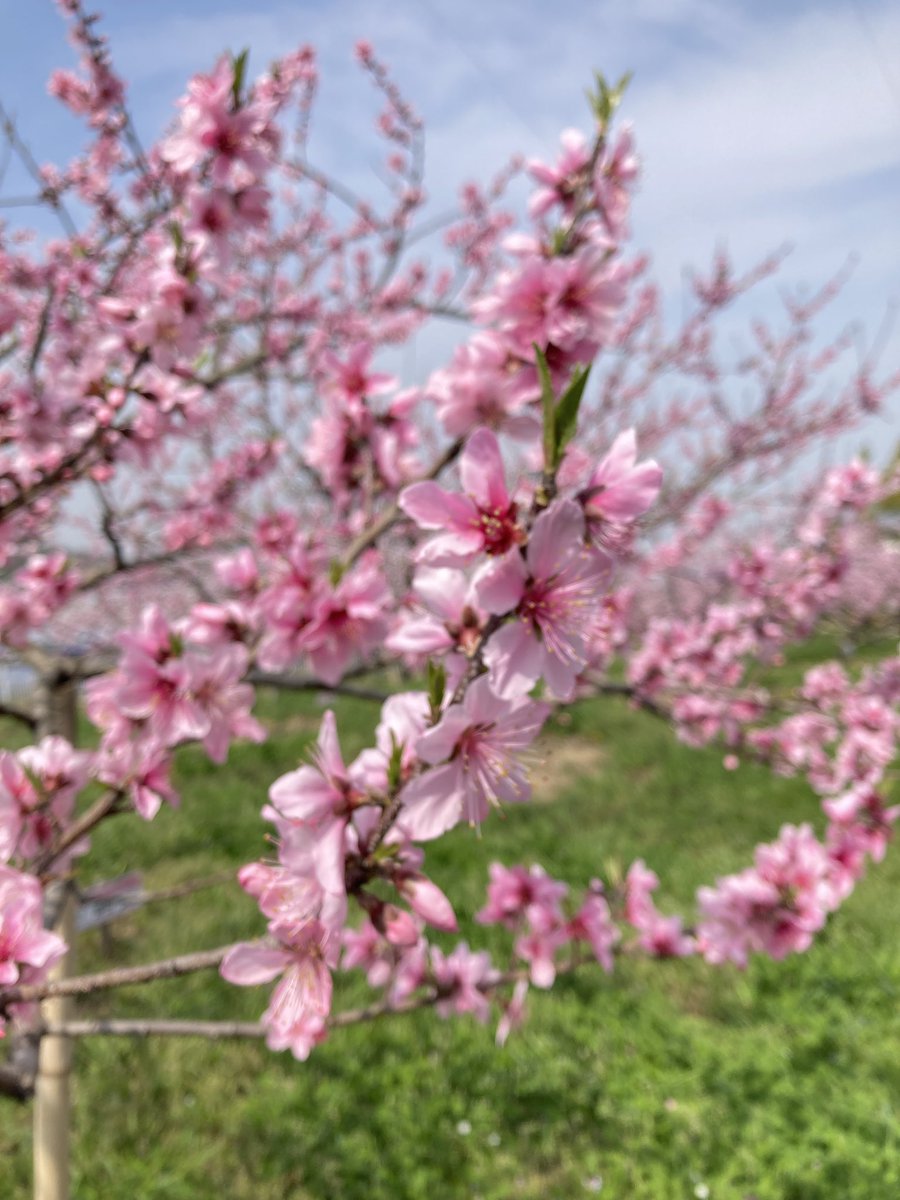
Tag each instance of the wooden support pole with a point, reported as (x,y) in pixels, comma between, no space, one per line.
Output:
(57,714)
(52,1091)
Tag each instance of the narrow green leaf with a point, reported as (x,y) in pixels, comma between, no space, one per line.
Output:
(395,764)
(566,421)
(548,406)
(336,572)
(239,65)
(437,684)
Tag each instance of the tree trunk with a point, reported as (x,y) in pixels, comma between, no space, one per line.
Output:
(57,714)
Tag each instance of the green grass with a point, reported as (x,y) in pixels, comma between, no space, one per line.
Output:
(779,1083)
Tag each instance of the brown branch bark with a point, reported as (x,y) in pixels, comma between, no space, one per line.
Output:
(101,809)
(84,985)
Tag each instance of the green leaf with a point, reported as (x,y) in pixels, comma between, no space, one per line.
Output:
(239,65)
(395,764)
(336,572)
(566,420)
(604,100)
(548,407)
(177,236)
(437,684)
(558,241)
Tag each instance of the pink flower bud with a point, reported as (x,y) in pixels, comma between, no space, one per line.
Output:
(430,903)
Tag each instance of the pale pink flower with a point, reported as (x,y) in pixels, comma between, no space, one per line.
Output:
(367,949)
(217,687)
(593,923)
(23,939)
(428,902)
(403,719)
(321,799)
(481,387)
(483,520)
(554,594)
(513,1013)
(348,620)
(620,488)
(546,934)
(300,1004)
(614,176)
(210,125)
(513,892)
(863,812)
(154,682)
(477,742)
(774,907)
(349,379)
(559,184)
(461,978)
(452,622)
(140,768)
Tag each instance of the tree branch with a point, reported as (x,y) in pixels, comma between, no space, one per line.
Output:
(84,985)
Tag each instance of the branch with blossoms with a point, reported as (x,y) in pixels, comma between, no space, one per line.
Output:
(203,362)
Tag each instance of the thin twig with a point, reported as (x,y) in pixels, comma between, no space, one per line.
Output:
(392,514)
(288,683)
(98,811)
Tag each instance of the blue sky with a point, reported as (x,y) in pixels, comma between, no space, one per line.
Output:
(758,123)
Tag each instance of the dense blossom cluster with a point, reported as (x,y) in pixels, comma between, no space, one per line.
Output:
(199,361)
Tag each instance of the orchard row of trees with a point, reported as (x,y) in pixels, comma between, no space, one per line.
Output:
(208,484)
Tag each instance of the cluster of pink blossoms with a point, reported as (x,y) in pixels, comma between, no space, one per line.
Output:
(531,575)
(38,786)
(164,693)
(179,337)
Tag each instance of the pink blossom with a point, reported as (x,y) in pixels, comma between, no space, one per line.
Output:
(620,488)
(347,620)
(483,520)
(38,787)
(513,1012)
(349,379)
(593,923)
(863,812)
(514,892)
(461,978)
(140,768)
(367,949)
(403,720)
(304,956)
(428,902)
(23,939)
(538,945)
(452,622)
(559,183)
(614,176)
(774,907)
(320,800)
(477,740)
(553,593)
(480,388)
(225,701)
(210,125)
(154,682)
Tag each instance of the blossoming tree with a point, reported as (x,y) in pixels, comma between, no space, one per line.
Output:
(208,485)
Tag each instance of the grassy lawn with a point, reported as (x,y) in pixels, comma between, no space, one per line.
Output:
(663,1081)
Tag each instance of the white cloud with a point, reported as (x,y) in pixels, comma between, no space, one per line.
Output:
(758,122)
